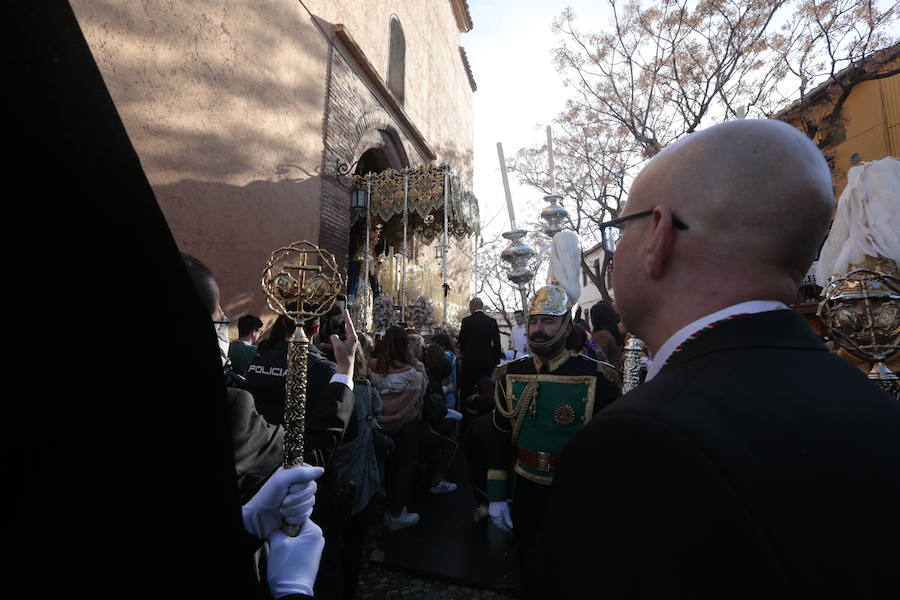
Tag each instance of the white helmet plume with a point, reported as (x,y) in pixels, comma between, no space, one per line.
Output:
(565,264)
(867,221)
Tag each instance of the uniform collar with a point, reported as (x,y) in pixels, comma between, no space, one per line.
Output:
(552,363)
(680,336)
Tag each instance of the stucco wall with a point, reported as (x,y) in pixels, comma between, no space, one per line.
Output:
(223,102)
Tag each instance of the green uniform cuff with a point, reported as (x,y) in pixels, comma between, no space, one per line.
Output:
(497,485)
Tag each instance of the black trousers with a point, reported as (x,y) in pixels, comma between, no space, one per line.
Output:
(342,556)
(401,466)
(352,549)
(477,439)
(437,447)
(529,503)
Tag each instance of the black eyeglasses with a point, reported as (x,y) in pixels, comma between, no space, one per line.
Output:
(611,230)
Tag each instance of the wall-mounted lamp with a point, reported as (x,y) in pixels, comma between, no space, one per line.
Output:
(358,200)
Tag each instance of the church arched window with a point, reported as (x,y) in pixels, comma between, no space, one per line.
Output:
(396,73)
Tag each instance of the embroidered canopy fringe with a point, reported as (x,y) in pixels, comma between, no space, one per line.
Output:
(425,201)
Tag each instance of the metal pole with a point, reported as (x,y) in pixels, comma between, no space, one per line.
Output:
(405,246)
(365,298)
(509,204)
(446,203)
(550,155)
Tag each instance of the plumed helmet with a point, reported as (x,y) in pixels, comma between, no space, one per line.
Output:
(550,300)
(563,286)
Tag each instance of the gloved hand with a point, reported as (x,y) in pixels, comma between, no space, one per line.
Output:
(288,493)
(294,561)
(499,512)
(453,415)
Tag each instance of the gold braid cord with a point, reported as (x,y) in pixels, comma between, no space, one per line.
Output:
(526,400)
(295,403)
(516,416)
(610,373)
(499,394)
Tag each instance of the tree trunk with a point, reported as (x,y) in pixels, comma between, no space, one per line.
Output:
(598,279)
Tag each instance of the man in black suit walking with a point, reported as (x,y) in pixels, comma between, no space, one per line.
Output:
(752,463)
(479,343)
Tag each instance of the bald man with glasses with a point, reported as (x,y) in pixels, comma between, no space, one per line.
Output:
(752,463)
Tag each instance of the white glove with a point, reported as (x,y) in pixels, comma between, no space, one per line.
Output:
(453,415)
(294,561)
(499,512)
(288,493)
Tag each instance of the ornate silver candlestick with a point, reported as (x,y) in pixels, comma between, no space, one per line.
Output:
(518,254)
(554,215)
(631,364)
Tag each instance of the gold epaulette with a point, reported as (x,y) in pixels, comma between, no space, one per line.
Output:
(610,373)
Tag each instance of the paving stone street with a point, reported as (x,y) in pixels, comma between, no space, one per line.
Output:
(377,583)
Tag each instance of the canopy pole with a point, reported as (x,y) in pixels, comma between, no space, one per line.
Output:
(367,289)
(445,286)
(550,156)
(405,246)
(509,204)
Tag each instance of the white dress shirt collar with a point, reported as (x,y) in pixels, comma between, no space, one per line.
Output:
(665,351)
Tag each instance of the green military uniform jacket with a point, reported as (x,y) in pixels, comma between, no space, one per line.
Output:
(540,404)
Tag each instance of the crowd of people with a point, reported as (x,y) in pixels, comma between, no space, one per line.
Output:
(413,403)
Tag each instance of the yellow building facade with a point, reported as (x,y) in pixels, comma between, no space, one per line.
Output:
(871,120)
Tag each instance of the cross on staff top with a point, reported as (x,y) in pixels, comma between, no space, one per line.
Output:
(302,268)
(290,292)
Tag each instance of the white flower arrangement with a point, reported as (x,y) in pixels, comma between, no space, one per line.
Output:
(423,312)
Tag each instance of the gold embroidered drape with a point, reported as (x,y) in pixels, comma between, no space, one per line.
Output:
(425,202)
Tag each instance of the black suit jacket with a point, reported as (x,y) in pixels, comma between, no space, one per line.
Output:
(755,465)
(257,444)
(479,340)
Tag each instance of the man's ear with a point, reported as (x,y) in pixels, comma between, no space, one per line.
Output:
(662,238)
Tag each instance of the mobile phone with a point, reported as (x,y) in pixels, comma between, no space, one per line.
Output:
(334,320)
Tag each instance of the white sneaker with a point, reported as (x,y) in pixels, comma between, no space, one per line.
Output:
(443,487)
(404,519)
(481,512)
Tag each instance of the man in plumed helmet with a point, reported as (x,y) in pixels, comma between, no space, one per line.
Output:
(541,400)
